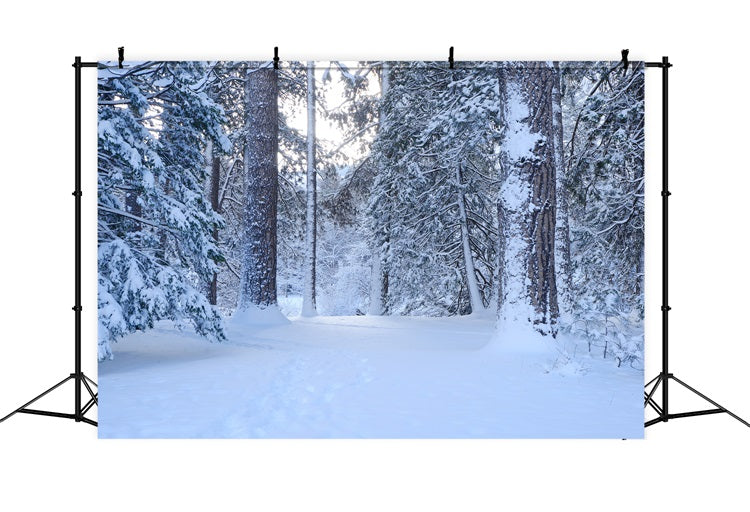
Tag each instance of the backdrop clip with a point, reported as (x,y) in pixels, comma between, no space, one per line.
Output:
(120,56)
(275,57)
(625,60)
(450,57)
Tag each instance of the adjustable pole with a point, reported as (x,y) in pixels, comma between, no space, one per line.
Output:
(78,376)
(665,234)
(664,377)
(77,193)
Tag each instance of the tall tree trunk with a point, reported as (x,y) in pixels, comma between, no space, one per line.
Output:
(475,296)
(563,270)
(379,271)
(527,200)
(258,274)
(212,193)
(213,293)
(308,297)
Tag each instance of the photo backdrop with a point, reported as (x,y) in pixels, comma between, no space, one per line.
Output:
(371,249)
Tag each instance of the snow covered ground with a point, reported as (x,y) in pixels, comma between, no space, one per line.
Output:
(371,377)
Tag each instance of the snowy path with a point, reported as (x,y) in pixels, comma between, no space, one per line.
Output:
(374,377)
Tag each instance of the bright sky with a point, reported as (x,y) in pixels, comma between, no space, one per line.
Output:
(328,134)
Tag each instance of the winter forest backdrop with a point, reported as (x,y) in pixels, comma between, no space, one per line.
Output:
(233,192)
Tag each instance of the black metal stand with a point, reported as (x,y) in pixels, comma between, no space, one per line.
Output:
(80,380)
(665,376)
(663,379)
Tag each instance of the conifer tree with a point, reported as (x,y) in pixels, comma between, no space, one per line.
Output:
(155,226)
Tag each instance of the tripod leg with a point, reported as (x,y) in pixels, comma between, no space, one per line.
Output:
(653,390)
(50,390)
(88,388)
(654,421)
(658,377)
(90,422)
(91,381)
(88,406)
(655,406)
(704,397)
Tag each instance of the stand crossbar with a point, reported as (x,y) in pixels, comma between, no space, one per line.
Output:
(665,376)
(80,380)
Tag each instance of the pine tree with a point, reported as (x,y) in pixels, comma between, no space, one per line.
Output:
(432,199)
(604,163)
(468,115)
(155,227)
(380,250)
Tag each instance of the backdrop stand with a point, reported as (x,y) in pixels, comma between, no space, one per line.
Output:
(80,380)
(665,376)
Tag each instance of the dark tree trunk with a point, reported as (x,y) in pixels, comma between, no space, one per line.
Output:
(163,248)
(258,276)
(214,195)
(132,206)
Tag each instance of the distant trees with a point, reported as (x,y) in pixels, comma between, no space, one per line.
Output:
(431,202)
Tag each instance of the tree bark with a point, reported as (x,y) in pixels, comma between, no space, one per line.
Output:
(258,274)
(132,206)
(215,178)
(308,297)
(527,201)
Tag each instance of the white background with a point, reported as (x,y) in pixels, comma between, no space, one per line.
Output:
(692,464)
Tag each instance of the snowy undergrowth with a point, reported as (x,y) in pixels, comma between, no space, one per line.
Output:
(555,355)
